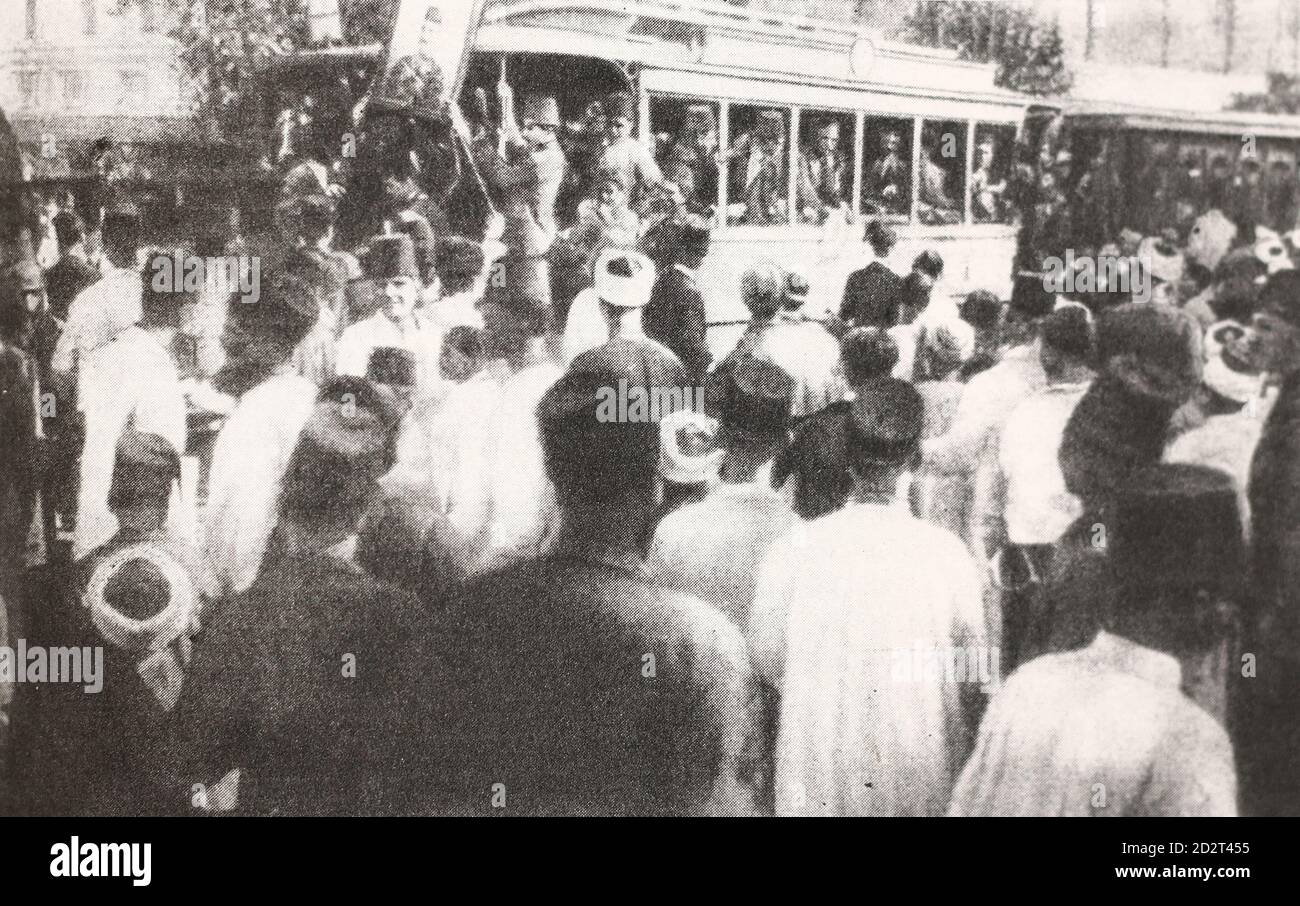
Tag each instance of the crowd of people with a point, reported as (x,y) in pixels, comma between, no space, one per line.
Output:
(405,536)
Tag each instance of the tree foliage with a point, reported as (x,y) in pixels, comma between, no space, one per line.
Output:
(1281,96)
(222,42)
(1028,52)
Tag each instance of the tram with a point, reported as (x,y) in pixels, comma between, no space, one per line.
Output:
(1154,170)
(913,135)
(910,135)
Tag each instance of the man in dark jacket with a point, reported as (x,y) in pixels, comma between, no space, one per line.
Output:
(72,272)
(639,699)
(307,691)
(871,294)
(1268,727)
(676,315)
(817,457)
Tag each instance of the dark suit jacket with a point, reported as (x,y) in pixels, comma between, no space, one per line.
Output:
(675,317)
(871,297)
(1275,520)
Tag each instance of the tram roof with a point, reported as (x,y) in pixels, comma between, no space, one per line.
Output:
(726,38)
(711,36)
(1130,117)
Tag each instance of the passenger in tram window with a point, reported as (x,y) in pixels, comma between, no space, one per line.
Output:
(630,159)
(1251,209)
(682,178)
(945,154)
(987,188)
(1218,192)
(1281,191)
(825,177)
(757,179)
(1189,191)
(696,146)
(584,144)
(888,188)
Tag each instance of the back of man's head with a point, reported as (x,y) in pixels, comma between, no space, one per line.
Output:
(162,301)
(763,289)
(885,430)
(592,458)
(346,446)
(121,235)
(867,354)
(929,263)
(67,229)
(1067,336)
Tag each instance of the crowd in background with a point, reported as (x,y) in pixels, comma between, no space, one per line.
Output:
(403,536)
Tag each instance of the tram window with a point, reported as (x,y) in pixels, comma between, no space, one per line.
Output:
(825,186)
(685,134)
(1218,179)
(887,168)
(994,150)
(1280,183)
(758,165)
(942,172)
(1251,202)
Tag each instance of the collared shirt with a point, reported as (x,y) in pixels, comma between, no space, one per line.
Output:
(712,548)
(248,467)
(848,611)
(458,309)
(1038,508)
(1104,730)
(634,699)
(990,397)
(98,314)
(416,334)
(130,380)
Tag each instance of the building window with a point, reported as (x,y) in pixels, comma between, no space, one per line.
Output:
(29,82)
(72,88)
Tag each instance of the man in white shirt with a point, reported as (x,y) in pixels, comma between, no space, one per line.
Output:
(486,468)
(1106,729)
(253,449)
(1029,492)
(712,548)
(103,310)
(806,350)
(129,381)
(868,623)
(967,450)
(391,261)
(625,157)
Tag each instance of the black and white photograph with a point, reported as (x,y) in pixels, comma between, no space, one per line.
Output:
(456,409)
